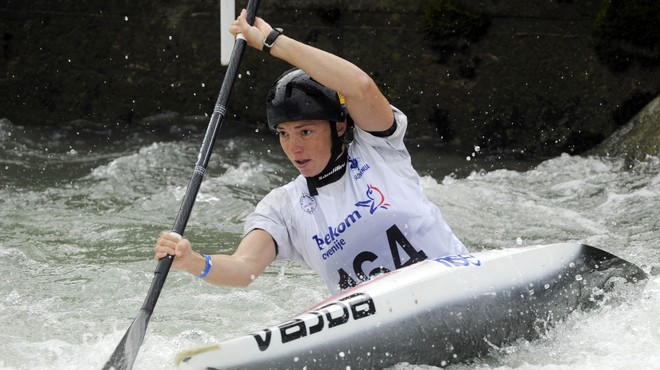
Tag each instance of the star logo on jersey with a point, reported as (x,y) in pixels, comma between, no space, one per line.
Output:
(354,165)
(376,200)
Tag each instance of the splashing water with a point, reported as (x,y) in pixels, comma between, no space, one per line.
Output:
(81,208)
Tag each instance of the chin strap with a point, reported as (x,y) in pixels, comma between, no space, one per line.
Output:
(335,168)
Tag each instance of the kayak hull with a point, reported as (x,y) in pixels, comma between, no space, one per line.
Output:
(436,312)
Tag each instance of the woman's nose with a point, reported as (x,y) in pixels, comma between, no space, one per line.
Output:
(295,144)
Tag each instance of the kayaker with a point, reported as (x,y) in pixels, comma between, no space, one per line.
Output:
(357,209)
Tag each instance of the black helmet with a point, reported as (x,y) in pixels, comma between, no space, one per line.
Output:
(296,97)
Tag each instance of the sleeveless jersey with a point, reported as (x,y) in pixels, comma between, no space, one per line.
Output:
(373,220)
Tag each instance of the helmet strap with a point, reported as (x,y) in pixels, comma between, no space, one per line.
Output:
(336,166)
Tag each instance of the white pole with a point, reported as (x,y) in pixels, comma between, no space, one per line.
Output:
(227,15)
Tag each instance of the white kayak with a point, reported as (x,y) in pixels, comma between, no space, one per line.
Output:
(436,312)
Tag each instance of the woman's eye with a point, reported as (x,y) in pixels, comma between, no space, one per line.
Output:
(306,132)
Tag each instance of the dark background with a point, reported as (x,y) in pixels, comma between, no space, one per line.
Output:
(512,77)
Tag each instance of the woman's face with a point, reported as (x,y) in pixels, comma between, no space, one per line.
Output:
(307,144)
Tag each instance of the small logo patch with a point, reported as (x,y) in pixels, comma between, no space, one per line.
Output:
(356,167)
(308,203)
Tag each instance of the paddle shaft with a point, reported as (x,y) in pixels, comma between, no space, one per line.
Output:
(124,355)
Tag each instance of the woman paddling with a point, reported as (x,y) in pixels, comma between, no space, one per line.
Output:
(357,209)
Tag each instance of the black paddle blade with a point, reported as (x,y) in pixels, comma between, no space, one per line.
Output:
(124,355)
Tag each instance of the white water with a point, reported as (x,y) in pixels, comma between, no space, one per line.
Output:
(79,216)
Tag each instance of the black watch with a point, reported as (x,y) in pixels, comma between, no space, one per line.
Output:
(270,39)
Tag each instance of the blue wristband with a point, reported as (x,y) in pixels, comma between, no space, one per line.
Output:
(209,263)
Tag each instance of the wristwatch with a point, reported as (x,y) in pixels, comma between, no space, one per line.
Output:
(270,39)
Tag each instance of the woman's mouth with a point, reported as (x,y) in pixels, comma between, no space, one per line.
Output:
(301,163)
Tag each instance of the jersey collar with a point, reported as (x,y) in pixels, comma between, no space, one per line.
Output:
(331,173)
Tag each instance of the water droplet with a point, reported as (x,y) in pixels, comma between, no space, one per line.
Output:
(578,277)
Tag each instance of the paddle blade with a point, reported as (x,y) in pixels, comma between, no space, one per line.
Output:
(124,355)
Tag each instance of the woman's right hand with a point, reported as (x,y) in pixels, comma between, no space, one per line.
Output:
(173,244)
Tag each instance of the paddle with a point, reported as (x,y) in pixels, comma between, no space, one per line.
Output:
(124,355)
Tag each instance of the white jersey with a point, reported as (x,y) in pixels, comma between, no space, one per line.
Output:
(373,220)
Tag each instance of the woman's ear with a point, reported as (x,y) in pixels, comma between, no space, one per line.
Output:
(341,128)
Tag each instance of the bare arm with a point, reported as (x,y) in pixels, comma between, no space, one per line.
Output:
(366,104)
(255,252)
